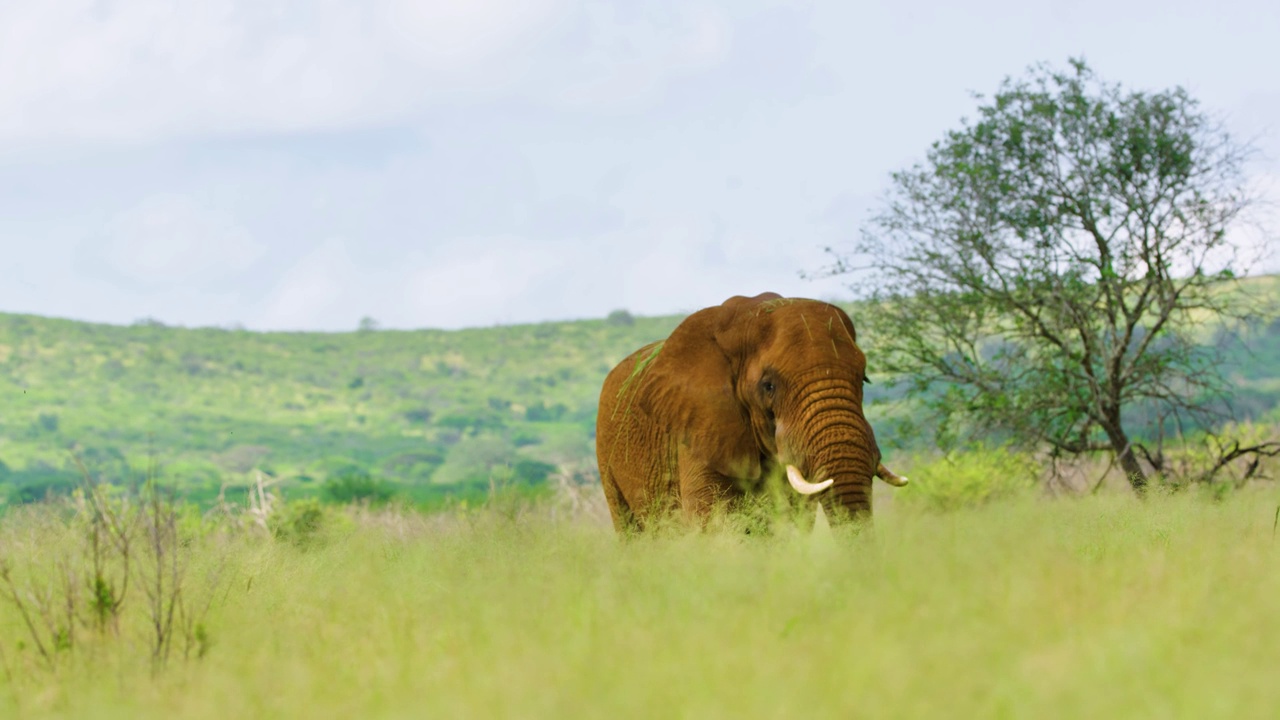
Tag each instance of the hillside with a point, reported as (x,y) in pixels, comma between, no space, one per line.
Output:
(418,408)
(427,412)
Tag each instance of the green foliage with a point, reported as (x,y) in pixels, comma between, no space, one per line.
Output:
(214,405)
(93,575)
(521,438)
(531,472)
(415,467)
(620,317)
(1047,270)
(437,415)
(970,478)
(1016,608)
(357,486)
(539,412)
(303,523)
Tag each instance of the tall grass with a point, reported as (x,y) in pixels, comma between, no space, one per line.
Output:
(1020,607)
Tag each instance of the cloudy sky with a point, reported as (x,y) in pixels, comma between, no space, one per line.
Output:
(300,164)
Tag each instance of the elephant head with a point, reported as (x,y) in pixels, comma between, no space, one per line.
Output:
(736,392)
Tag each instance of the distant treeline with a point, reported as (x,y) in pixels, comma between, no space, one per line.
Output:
(423,416)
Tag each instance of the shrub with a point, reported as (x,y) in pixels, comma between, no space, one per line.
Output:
(621,318)
(419,415)
(531,472)
(302,522)
(476,422)
(970,477)
(357,486)
(415,465)
(539,412)
(521,438)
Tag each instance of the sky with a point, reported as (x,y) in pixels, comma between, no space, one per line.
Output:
(300,165)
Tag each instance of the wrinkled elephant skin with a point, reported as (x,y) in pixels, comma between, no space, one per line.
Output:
(738,393)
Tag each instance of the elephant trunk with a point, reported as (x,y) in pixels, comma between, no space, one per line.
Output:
(840,446)
(851,491)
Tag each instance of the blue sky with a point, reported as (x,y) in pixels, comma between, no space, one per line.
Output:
(300,165)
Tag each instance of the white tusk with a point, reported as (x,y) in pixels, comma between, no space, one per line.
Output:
(802,486)
(890,477)
(821,528)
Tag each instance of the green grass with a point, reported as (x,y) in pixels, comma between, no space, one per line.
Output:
(432,413)
(420,409)
(1019,607)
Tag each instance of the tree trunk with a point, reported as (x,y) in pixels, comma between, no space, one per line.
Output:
(1124,454)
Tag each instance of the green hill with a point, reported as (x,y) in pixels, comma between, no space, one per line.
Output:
(420,409)
(420,413)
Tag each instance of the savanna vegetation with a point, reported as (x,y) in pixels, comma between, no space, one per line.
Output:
(1097,605)
(994,584)
(1048,272)
(373,414)
(221,523)
(416,416)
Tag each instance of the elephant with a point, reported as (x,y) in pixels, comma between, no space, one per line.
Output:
(737,394)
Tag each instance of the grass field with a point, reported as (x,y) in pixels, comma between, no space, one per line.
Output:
(1101,606)
(977,595)
(427,414)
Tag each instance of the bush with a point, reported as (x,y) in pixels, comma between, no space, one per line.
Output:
(970,477)
(479,420)
(302,523)
(531,472)
(539,412)
(418,466)
(621,318)
(521,438)
(357,486)
(419,415)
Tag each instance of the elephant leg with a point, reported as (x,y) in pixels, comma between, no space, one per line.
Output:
(624,521)
(703,490)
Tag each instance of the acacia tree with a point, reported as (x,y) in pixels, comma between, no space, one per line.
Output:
(1043,271)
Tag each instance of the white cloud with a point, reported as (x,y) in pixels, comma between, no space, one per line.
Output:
(168,240)
(143,70)
(1258,238)
(312,292)
(479,281)
(447,36)
(138,69)
(677,263)
(627,59)
(689,263)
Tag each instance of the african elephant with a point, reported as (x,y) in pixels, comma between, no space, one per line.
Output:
(737,393)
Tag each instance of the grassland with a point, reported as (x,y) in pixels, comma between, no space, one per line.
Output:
(976,595)
(421,411)
(419,414)
(1100,606)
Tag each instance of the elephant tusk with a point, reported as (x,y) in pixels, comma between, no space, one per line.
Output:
(802,486)
(821,527)
(890,477)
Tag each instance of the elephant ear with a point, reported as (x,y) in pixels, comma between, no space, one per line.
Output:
(692,387)
(744,327)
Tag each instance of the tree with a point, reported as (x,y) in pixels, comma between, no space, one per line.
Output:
(620,318)
(1041,274)
(357,485)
